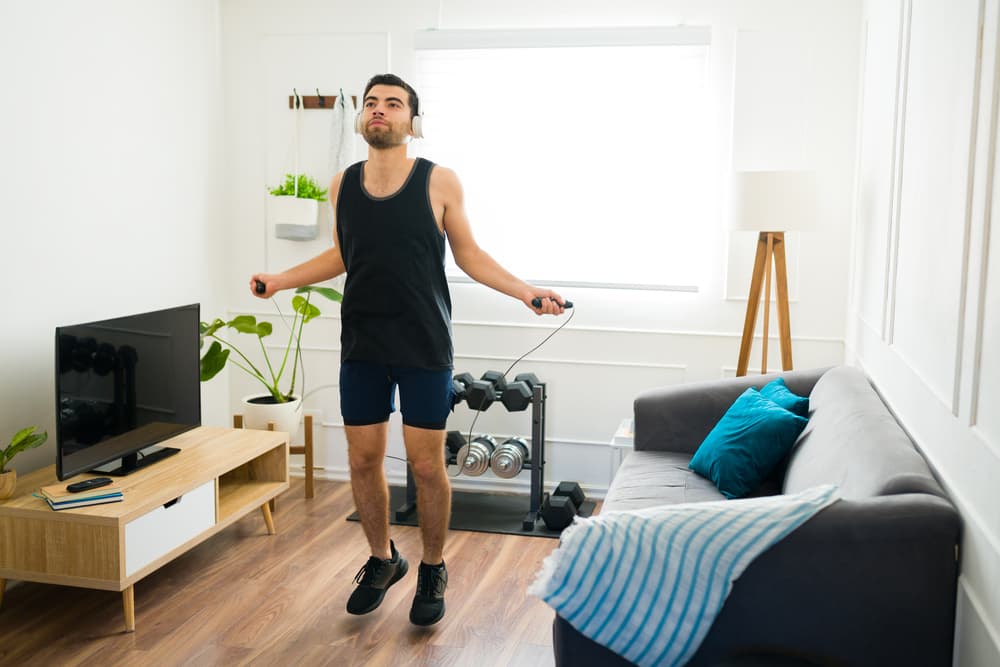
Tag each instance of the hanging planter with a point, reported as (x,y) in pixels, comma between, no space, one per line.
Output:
(293,208)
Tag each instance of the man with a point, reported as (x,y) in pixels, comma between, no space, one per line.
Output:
(392,216)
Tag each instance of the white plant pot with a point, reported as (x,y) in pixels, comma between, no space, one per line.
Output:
(285,416)
(293,218)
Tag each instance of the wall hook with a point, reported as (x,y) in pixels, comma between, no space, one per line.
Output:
(322,102)
(298,102)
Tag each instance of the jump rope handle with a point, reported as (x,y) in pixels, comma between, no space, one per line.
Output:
(260,287)
(537,302)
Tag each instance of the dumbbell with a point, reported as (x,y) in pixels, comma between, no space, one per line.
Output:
(559,508)
(474,458)
(517,396)
(572,491)
(453,443)
(557,511)
(485,390)
(460,387)
(508,459)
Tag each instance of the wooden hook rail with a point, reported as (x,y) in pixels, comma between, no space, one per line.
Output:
(318,101)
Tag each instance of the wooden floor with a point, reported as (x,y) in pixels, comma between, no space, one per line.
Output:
(246,597)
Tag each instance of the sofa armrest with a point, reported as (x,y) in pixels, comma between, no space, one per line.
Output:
(677,418)
(864,582)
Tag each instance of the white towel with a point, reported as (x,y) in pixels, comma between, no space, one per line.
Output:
(342,134)
(648,584)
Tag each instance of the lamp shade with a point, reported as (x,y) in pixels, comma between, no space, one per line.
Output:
(773,201)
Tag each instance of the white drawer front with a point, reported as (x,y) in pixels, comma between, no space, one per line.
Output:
(166,528)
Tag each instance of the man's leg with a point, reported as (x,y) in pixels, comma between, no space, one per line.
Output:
(366,453)
(365,403)
(426,398)
(425,451)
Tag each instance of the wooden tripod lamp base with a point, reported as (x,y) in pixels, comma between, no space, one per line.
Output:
(770,247)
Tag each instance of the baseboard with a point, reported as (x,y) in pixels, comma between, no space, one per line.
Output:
(519,485)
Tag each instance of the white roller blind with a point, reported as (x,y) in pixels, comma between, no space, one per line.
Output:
(581,163)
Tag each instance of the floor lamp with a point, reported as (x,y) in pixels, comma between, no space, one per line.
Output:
(771,203)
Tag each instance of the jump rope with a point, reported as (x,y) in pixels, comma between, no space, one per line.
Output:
(536,302)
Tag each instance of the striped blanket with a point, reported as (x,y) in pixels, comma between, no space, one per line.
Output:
(648,583)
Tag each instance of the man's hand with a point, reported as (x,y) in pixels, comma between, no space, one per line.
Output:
(270,282)
(551,303)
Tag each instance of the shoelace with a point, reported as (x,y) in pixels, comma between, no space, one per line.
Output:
(369,570)
(430,583)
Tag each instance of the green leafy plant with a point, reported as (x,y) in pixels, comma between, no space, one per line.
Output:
(307,188)
(214,360)
(23,440)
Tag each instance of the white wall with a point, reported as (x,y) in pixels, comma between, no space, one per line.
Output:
(110,175)
(924,315)
(619,342)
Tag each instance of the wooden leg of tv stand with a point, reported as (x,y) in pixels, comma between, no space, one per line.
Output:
(128,603)
(268,518)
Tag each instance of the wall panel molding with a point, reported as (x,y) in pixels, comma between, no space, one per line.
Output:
(895,193)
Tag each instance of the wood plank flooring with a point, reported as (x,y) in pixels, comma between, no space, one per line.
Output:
(245,597)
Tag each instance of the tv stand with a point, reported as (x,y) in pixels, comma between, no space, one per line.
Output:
(137,461)
(218,476)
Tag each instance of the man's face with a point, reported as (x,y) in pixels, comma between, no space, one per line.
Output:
(385,118)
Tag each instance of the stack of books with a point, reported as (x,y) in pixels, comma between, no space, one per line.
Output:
(59,498)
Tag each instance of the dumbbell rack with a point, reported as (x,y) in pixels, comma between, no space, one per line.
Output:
(536,465)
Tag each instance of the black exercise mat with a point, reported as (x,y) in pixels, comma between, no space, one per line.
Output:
(480,511)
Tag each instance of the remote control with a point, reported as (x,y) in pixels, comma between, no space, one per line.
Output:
(537,303)
(88,484)
(260,286)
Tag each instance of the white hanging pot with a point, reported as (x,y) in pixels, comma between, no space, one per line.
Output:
(260,409)
(293,218)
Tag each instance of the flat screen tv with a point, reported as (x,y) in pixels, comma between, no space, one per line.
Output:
(122,386)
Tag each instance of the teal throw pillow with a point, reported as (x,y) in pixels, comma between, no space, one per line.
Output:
(778,391)
(746,444)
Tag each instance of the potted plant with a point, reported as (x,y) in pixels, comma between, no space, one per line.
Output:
(280,405)
(23,440)
(293,208)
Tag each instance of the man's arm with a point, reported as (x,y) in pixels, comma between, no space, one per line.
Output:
(324,266)
(472,259)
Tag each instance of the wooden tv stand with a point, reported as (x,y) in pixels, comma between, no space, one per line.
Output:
(219,476)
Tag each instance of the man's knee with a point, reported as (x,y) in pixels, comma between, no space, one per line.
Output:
(427,468)
(366,447)
(362,462)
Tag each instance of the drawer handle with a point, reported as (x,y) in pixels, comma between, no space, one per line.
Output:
(168,505)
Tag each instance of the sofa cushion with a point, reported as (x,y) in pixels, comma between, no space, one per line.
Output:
(646,479)
(746,444)
(778,391)
(853,441)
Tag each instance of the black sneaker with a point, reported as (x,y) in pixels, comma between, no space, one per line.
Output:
(428,604)
(374,579)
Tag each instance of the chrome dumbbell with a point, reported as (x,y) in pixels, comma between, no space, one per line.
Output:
(509,458)
(474,457)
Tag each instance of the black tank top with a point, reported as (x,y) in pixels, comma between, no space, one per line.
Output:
(396,308)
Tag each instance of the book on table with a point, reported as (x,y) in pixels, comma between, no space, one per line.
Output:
(99,500)
(59,498)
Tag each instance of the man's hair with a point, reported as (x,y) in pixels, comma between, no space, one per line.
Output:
(393,80)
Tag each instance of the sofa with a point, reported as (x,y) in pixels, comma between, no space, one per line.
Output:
(869,580)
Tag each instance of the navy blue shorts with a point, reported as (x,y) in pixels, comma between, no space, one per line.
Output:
(367,390)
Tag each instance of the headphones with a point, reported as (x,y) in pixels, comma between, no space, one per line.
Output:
(416,123)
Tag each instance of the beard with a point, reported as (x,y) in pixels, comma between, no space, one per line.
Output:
(385,137)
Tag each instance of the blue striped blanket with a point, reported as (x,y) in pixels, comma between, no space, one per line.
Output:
(648,583)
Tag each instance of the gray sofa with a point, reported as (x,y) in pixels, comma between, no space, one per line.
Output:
(870,580)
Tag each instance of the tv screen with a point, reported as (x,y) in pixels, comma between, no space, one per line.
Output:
(122,386)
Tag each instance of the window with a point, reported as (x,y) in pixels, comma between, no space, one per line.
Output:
(584,154)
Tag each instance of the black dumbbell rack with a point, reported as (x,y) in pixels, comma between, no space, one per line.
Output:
(536,465)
